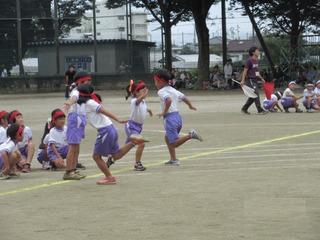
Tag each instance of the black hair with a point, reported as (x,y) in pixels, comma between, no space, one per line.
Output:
(80,75)
(163,74)
(99,97)
(252,50)
(84,89)
(12,131)
(14,119)
(279,95)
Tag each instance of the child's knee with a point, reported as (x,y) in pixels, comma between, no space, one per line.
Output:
(141,146)
(96,157)
(31,146)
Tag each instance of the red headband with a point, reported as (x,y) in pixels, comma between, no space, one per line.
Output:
(83,79)
(3,114)
(20,131)
(13,115)
(140,85)
(159,79)
(57,115)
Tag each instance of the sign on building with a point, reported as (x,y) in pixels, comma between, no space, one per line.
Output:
(82,63)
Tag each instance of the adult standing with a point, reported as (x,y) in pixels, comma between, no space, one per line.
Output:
(69,79)
(228,71)
(250,77)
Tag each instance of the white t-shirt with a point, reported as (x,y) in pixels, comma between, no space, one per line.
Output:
(8,146)
(27,136)
(76,108)
(307,93)
(317,91)
(46,139)
(96,119)
(175,95)
(138,111)
(287,93)
(57,137)
(3,134)
(273,98)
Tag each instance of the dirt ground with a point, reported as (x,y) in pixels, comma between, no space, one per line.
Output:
(254,177)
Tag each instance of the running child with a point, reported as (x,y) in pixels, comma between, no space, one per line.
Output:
(272,104)
(8,152)
(317,92)
(57,145)
(289,99)
(309,98)
(3,126)
(139,111)
(76,122)
(26,147)
(169,98)
(107,139)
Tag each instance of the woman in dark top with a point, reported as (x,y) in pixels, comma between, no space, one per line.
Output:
(69,79)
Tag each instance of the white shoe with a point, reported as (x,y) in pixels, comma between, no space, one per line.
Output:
(194,135)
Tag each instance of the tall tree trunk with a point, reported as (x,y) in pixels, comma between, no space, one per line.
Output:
(203,45)
(167,41)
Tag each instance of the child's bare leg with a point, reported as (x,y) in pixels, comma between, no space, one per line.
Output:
(76,156)
(171,149)
(102,165)
(181,140)
(139,152)
(31,150)
(123,151)
(71,156)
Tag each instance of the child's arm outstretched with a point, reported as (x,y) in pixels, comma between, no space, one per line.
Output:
(68,104)
(111,115)
(187,101)
(150,112)
(143,96)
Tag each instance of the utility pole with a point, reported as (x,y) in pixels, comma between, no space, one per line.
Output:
(162,43)
(224,31)
(56,36)
(95,50)
(18,10)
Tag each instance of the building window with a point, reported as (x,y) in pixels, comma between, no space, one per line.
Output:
(140,25)
(120,17)
(78,30)
(121,29)
(98,22)
(98,33)
(98,11)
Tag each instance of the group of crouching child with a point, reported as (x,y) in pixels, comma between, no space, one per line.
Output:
(288,99)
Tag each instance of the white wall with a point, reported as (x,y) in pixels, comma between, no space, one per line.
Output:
(111,24)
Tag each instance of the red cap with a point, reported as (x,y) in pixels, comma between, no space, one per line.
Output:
(57,115)
(139,86)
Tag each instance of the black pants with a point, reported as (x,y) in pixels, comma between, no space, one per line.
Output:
(253,84)
(67,92)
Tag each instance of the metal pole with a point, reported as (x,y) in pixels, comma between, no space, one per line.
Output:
(128,35)
(95,37)
(56,36)
(224,31)
(19,33)
(131,36)
(162,43)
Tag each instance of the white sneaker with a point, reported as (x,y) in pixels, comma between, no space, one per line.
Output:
(173,162)
(194,135)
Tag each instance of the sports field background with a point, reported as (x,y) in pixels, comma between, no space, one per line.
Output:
(254,177)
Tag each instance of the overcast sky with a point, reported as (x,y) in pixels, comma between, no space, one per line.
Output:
(237,26)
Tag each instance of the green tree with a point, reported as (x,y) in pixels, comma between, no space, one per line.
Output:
(200,10)
(166,12)
(286,17)
(37,23)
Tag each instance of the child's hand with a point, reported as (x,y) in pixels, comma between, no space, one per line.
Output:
(122,121)
(160,115)
(193,108)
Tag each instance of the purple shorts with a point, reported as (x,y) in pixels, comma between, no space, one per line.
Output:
(24,151)
(107,141)
(312,104)
(76,127)
(42,156)
(63,151)
(1,162)
(287,102)
(268,104)
(131,128)
(172,125)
